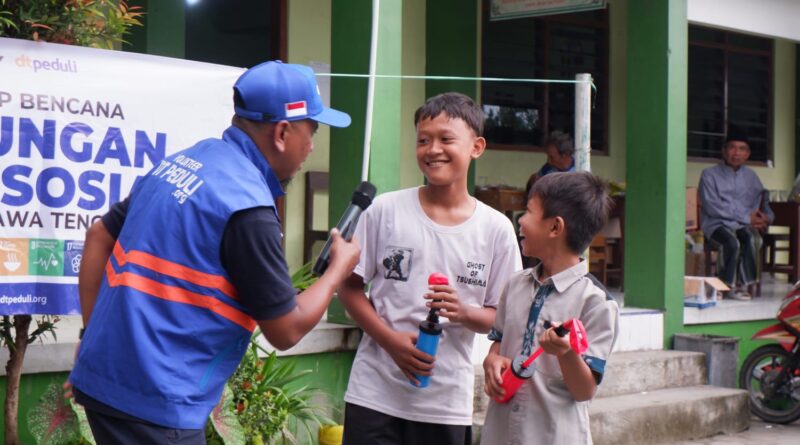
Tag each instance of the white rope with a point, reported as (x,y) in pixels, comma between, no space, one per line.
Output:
(373,62)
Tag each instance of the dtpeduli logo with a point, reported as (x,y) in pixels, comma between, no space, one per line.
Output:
(66,66)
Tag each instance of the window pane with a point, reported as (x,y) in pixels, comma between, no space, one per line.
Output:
(520,115)
(749,42)
(514,110)
(232,32)
(706,101)
(730,84)
(748,99)
(575,49)
(708,35)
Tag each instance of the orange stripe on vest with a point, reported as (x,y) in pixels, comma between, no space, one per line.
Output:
(174,270)
(178,295)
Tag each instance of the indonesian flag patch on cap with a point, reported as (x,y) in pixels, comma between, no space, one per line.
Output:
(295,109)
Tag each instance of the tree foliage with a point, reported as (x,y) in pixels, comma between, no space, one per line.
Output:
(95,23)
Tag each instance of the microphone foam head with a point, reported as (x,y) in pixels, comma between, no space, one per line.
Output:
(363,195)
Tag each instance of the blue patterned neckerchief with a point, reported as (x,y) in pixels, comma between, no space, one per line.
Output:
(533,316)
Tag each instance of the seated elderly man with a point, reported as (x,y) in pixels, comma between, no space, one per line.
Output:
(734,212)
(560,153)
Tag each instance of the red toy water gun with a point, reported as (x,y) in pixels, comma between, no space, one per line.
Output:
(521,370)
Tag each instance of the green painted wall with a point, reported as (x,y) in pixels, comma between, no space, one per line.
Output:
(404,44)
(741,330)
(350,37)
(164,28)
(401,50)
(31,388)
(413,91)
(385,147)
(656,157)
(330,373)
(452,50)
(452,46)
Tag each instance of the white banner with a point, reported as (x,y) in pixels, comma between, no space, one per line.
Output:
(77,127)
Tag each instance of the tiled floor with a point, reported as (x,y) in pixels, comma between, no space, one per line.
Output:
(773,290)
(760,433)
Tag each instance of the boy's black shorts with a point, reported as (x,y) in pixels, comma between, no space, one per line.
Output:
(363,426)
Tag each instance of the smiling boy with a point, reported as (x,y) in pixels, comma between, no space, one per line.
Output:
(407,235)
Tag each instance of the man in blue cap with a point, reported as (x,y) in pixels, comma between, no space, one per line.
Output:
(174,279)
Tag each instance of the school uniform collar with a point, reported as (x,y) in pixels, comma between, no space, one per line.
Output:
(562,280)
(236,137)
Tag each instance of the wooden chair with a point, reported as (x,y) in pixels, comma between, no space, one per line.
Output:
(598,259)
(315,182)
(711,250)
(770,248)
(615,271)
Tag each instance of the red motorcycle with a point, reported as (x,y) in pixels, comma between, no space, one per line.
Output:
(771,373)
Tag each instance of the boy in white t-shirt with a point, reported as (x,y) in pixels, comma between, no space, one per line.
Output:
(406,235)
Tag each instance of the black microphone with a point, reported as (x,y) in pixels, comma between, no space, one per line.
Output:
(362,198)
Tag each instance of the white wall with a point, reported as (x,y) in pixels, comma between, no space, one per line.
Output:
(773,18)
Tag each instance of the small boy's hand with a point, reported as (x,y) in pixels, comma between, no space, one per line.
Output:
(67,387)
(493,367)
(402,348)
(445,298)
(551,343)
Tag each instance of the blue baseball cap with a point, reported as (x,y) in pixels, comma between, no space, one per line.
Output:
(274,91)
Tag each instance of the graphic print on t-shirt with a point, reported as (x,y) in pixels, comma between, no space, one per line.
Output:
(397,262)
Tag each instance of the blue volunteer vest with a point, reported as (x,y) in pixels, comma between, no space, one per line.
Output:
(167,329)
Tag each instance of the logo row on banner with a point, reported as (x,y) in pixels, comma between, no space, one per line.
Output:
(40,257)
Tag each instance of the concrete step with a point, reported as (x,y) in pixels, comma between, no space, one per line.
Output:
(638,371)
(661,416)
(669,415)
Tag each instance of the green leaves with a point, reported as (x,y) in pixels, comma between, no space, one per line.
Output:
(96,23)
(267,400)
(303,278)
(224,422)
(58,421)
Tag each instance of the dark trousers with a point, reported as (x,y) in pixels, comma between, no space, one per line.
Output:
(110,430)
(737,262)
(113,427)
(363,426)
